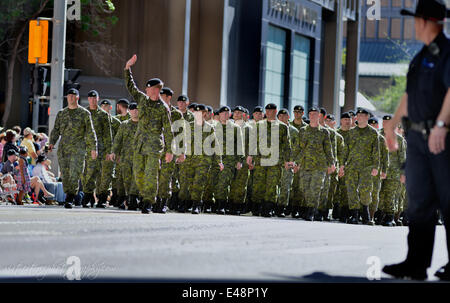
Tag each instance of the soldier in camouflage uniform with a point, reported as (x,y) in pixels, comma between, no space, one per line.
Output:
(122,110)
(330,121)
(110,165)
(201,146)
(123,153)
(97,173)
(231,148)
(74,125)
(167,180)
(384,163)
(391,186)
(361,161)
(340,209)
(314,160)
(154,129)
(287,172)
(267,163)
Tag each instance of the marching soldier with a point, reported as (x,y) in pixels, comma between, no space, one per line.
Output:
(341,210)
(97,172)
(153,126)
(73,125)
(122,110)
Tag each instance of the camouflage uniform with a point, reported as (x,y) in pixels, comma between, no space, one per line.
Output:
(314,155)
(123,118)
(267,173)
(334,180)
(194,174)
(297,198)
(225,133)
(209,195)
(384,162)
(361,157)
(123,148)
(324,202)
(97,175)
(75,128)
(111,167)
(391,188)
(342,196)
(178,174)
(287,175)
(153,129)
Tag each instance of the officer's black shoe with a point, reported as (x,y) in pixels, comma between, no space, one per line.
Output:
(309,214)
(388,220)
(354,217)
(281,211)
(405,271)
(220,207)
(444,273)
(146,207)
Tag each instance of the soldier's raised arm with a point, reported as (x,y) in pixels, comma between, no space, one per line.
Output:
(129,81)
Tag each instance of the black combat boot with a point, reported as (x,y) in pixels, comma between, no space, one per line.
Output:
(207,207)
(365,214)
(336,213)
(295,212)
(256,210)
(318,215)
(325,215)
(309,213)
(247,207)
(173,204)
(196,207)
(266,210)
(157,207)
(132,202)
(146,207)
(378,217)
(69,201)
(404,218)
(115,198)
(389,220)
(220,207)
(281,211)
(444,273)
(343,216)
(182,206)
(288,210)
(406,270)
(189,205)
(88,197)
(101,201)
(354,217)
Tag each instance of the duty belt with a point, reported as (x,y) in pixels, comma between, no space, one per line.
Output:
(423,127)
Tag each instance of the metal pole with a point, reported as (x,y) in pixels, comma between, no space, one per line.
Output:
(35,97)
(187,32)
(57,75)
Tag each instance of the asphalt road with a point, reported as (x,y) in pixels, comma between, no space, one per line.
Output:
(94,244)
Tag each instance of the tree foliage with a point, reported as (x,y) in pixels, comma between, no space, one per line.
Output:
(389,98)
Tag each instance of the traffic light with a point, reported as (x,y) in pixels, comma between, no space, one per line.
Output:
(70,76)
(41,81)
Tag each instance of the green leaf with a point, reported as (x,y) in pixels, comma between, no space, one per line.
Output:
(111,6)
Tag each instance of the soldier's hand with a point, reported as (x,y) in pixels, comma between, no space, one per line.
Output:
(391,140)
(250,161)
(221,166)
(131,62)
(296,169)
(403,179)
(238,165)
(341,172)
(374,172)
(383,176)
(436,141)
(112,157)
(94,154)
(180,158)
(169,157)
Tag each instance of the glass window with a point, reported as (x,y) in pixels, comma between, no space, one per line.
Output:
(396,28)
(300,72)
(370,28)
(409,3)
(383,28)
(397,3)
(384,3)
(275,66)
(409,29)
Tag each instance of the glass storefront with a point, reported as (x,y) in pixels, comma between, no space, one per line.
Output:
(300,72)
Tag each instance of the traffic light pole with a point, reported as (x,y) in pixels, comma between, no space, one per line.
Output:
(36,100)
(57,75)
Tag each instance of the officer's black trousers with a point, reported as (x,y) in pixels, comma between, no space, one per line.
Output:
(428,189)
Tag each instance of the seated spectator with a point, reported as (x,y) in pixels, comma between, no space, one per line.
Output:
(11,139)
(47,177)
(18,131)
(8,166)
(28,142)
(8,187)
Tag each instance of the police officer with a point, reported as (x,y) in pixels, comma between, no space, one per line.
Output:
(426,104)
(74,126)
(154,125)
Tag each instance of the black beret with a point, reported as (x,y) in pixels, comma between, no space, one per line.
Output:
(246,111)
(387,117)
(258,109)
(105,102)
(239,108)
(73,91)
(271,106)
(133,106)
(154,82)
(345,115)
(93,93)
(166,91)
(192,105)
(209,108)
(307,121)
(199,107)
(216,112)
(362,110)
(331,117)
(323,111)
(299,108)
(124,102)
(373,120)
(283,111)
(352,113)
(183,98)
(313,109)
(224,109)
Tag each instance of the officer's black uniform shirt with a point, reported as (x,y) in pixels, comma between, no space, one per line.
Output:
(428,81)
